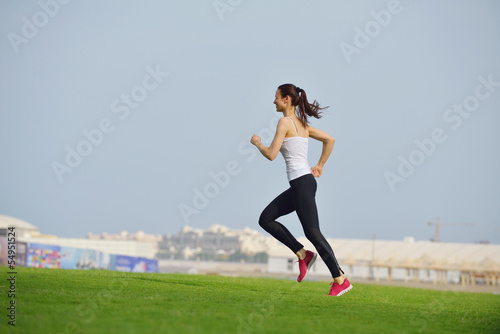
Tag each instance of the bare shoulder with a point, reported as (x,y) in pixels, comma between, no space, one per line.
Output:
(284,126)
(284,122)
(284,119)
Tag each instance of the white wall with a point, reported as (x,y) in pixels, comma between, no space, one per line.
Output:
(118,247)
(280,265)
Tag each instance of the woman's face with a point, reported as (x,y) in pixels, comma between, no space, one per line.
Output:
(279,101)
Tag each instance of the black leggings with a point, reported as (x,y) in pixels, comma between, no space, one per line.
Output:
(300,197)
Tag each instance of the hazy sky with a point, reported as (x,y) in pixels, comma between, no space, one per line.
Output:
(128,115)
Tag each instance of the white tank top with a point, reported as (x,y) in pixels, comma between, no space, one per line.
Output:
(294,150)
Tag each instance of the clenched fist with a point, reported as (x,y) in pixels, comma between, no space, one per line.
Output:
(255,140)
(316,171)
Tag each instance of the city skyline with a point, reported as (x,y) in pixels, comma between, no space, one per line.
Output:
(142,235)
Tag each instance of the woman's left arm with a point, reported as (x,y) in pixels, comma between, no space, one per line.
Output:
(272,151)
(328,143)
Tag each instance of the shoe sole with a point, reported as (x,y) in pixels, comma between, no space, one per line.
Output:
(309,266)
(312,262)
(349,288)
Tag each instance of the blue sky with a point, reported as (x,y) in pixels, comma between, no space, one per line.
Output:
(137,115)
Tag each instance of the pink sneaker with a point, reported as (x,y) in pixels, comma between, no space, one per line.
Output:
(305,265)
(339,290)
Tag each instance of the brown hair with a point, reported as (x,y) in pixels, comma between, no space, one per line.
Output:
(299,100)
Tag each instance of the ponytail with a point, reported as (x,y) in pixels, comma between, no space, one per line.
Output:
(303,108)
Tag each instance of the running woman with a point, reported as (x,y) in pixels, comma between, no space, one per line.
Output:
(291,139)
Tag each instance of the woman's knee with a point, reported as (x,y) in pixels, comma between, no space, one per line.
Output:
(314,236)
(265,219)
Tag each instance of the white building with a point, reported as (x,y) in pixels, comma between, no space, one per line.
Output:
(399,260)
(124,235)
(22,229)
(217,238)
(130,245)
(118,247)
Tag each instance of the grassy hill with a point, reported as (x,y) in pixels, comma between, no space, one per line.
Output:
(97,301)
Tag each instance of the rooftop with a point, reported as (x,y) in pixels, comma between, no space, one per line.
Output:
(8,221)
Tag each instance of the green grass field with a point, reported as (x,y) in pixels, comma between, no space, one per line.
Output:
(97,301)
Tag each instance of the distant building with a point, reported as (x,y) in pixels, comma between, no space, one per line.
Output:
(23,229)
(139,244)
(14,229)
(216,239)
(426,261)
(186,238)
(124,235)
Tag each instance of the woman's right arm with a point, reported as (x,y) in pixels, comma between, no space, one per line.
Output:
(328,143)
(272,151)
